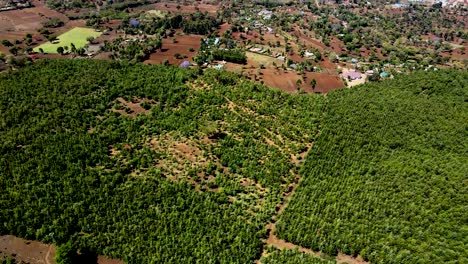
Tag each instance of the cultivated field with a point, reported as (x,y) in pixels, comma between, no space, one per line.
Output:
(77,36)
(27,20)
(256,60)
(181,46)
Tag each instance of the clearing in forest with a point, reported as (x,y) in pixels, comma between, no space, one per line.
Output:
(78,36)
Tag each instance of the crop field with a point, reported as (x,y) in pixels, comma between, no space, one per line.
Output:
(386,178)
(182,46)
(77,36)
(259,59)
(27,20)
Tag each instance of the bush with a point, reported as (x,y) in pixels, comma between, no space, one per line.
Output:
(66,253)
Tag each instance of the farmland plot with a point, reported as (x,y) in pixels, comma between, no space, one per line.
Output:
(78,36)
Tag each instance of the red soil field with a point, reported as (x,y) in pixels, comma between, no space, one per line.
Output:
(224,27)
(283,80)
(28,19)
(15,24)
(169,49)
(336,45)
(287,80)
(308,40)
(457,54)
(325,82)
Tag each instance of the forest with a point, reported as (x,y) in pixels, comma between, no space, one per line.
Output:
(126,160)
(195,23)
(158,164)
(386,178)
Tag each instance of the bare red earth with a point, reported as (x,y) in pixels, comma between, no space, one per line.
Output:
(182,46)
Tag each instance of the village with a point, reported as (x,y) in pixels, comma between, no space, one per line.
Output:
(301,48)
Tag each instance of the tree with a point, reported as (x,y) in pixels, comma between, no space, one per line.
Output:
(60,50)
(313,82)
(66,253)
(6,43)
(14,50)
(90,39)
(52,38)
(81,51)
(73,47)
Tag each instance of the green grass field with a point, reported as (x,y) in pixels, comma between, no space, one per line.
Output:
(267,61)
(156,13)
(76,36)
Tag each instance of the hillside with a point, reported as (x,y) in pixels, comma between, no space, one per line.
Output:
(154,164)
(129,160)
(387,177)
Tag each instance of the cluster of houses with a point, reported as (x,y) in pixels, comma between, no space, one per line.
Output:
(352,75)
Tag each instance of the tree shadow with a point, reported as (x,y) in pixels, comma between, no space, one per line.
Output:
(86,257)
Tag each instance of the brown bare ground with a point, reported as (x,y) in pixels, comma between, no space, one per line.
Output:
(35,252)
(284,80)
(169,49)
(325,82)
(28,19)
(15,24)
(26,250)
(308,40)
(135,108)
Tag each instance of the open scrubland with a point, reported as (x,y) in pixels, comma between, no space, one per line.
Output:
(155,164)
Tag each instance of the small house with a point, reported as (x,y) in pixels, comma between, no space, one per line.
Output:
(185,64)
(134,23)
(352,75)
(384,74)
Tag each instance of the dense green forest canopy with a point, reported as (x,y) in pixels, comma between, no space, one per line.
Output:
(148,164)
(154,164)
(387,177)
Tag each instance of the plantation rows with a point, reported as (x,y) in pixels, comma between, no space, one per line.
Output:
(153,164)
(78,165)
(386,178)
